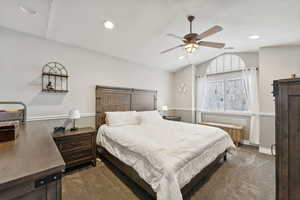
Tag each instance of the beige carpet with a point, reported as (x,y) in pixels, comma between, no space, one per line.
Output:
(248,175)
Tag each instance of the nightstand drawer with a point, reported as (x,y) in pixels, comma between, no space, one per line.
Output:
(77,155)
(75,143)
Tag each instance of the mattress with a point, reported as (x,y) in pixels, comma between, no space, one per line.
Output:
(166,154)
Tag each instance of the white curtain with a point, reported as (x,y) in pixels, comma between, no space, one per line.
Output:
(250,75)
(201,94)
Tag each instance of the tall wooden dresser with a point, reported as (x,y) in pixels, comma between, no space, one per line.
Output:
(287,124)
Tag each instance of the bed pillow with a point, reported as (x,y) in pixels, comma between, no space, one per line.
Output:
(121,118)
(149,116)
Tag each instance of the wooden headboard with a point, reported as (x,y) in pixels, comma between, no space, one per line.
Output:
(109,99)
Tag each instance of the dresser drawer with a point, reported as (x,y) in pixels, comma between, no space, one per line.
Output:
(77,155)
(75,143)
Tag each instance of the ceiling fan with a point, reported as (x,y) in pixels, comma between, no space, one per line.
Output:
(192,41)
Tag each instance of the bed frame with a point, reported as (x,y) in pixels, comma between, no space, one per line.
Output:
(127,99)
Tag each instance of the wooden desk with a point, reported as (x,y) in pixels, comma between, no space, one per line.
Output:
(234,131)
(31,166)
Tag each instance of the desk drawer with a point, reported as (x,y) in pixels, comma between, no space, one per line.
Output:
(75,143)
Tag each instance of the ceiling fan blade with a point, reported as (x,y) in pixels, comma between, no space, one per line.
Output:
(165,51)
(211,44)
(209,32)
(175,36)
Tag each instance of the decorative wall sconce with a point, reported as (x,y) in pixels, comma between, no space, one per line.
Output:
(182,88)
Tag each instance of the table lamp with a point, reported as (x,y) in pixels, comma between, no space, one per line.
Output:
(74,114)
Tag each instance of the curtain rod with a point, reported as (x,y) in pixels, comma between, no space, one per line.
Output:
(247,68)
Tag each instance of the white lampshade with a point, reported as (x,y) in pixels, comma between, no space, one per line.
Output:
(74,114)
(164,108)
(191,47)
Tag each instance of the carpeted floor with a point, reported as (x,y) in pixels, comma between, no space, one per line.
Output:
(248,175)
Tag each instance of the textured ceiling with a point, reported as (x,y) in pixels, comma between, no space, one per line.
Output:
(142,25)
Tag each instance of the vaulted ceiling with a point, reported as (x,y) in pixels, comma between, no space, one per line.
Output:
(141,25)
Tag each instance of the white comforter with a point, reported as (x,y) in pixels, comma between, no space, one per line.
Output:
(166,154)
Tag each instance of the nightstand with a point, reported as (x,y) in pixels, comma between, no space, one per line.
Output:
(77,147)
(172,118)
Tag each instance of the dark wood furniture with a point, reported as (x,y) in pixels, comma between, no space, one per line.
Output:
(77,147)
(9,130)
(13,115)
(172,118)
(110,99)
(31,166)
(287,124)
(234,131)
(122,99)
(133,175)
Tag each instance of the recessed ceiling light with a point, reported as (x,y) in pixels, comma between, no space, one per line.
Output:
(27,10)
(181,57)
(109,25)
(254,37)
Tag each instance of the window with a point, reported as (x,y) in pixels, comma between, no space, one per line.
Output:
(226,95)
(235,95)
(229,86)
(215,95)
(225,63)
(226,89)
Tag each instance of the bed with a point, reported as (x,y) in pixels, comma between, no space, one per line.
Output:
(165,158)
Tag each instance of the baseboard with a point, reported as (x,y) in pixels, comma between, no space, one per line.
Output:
(265,114)
(246,142)
(265,150)
(53,117)
(182,108)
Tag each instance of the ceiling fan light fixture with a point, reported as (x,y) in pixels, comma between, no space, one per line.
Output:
(191,41)
(191,47)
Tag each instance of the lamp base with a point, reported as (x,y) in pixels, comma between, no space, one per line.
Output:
(74,129)
(74,126)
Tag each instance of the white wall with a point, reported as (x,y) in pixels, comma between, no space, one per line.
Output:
(184,76)
(22,59)
(277,62)
(183,103)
